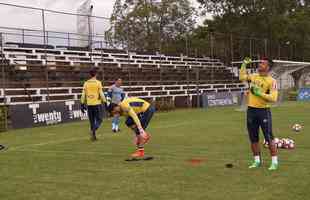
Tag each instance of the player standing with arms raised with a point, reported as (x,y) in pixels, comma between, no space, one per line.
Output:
(116,93)
(263,90)
(91,100)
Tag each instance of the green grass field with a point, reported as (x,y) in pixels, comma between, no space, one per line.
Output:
(60,163)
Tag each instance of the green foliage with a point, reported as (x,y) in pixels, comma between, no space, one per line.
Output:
(285,23)
(144,25)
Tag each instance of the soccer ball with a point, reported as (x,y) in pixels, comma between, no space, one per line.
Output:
(296,127)
(280,144)
(291,146)
(276,140)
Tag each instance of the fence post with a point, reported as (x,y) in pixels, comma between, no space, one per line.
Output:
(197,87)
(68,39)
(231,47)
(250,47)
(23,36)
(46,37)
(266,47)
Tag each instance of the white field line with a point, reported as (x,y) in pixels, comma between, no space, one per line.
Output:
(84,138)
(65,152)
(48,143)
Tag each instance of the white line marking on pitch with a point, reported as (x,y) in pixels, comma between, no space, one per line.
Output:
(48,143)
(64,152)
(83,138)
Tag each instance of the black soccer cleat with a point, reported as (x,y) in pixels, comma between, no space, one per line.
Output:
(93,136)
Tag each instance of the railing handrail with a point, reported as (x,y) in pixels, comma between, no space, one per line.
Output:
(52,11)
(49,31)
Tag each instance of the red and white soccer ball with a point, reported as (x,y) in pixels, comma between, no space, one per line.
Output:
(280,144)
(297,128)
(276,140)
(288,143)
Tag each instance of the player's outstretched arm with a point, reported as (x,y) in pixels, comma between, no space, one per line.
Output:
(243,76)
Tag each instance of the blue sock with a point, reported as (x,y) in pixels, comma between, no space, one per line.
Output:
(116,121)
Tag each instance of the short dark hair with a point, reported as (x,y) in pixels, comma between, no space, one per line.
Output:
(93,72)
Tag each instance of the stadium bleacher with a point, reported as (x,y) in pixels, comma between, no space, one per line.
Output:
(34,73)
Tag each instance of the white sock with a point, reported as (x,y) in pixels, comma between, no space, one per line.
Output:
(116,127)
(257,159)
(113,126)
(274,159)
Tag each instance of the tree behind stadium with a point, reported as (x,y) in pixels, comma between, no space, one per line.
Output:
(284,23)
(151,25)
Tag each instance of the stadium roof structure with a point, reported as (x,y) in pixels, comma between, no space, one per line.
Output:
(282,65)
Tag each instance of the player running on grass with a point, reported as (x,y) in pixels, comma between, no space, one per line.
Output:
(263,90)
(139,113)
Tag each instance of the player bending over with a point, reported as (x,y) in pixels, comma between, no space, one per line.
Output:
(263,90)
(139,113)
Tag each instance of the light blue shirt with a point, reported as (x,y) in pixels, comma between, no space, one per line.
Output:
(117,94)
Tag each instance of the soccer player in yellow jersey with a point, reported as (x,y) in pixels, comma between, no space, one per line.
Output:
(139,113)
(263,91)
(91,100)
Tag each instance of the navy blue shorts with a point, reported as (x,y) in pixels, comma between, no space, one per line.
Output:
(144,118)
(95,116)
(259,118)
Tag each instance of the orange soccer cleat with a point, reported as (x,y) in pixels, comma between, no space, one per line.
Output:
(138,154)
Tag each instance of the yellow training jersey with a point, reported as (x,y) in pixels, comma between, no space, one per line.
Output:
(92,93)
(268,86)
(133,106)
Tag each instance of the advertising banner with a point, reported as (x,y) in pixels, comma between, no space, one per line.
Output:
(42,114)
(304,94)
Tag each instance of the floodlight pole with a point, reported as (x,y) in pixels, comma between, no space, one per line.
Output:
(3,66)
(45,55)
